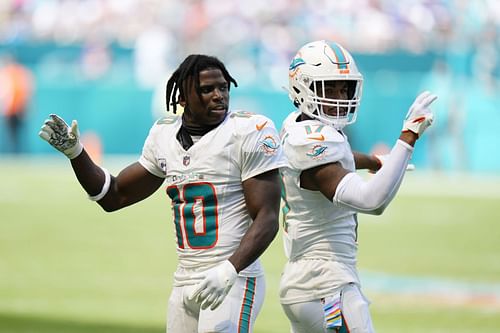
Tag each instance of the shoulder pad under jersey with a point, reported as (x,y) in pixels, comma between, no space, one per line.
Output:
(246,122)
(168,119)
(309,143)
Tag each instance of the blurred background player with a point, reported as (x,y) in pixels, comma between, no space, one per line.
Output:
(16,85)
(221,172)
(320,289)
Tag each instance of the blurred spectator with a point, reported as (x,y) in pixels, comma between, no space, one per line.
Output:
(95,60)
(82,40)
(152,50)
(482,103)
(445,140)
(260,33)
(16,84)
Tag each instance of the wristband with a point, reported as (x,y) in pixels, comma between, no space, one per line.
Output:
(105,187)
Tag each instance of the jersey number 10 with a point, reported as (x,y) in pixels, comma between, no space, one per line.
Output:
(195,215)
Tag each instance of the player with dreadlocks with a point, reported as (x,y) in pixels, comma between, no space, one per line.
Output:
(192,66)
(221,173)
(180,82)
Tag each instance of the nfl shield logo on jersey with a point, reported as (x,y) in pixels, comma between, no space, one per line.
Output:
(186,160)
(163,165)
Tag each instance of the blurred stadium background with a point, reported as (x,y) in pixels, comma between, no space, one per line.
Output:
(431,262)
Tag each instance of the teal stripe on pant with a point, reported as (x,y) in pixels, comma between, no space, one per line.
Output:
(247,306)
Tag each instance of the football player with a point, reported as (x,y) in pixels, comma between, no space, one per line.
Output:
(220,168)
(320,288)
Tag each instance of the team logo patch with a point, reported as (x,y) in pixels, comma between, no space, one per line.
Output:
(269,145)
(317,152)
(186,160)
(163,165)
(296,63)
(294,66)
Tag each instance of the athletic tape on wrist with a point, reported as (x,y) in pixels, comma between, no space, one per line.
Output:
(105,186)
(76,153)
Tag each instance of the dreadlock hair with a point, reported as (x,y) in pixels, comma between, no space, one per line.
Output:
(190,69)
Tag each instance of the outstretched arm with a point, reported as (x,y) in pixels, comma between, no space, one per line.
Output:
(364,161)
(348,188)
(373,196)
(373,163)
(133,184)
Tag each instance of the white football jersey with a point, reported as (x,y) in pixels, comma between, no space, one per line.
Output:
(314,225)
(315,228)
(205,185)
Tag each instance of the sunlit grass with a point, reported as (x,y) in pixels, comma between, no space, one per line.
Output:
(67,266)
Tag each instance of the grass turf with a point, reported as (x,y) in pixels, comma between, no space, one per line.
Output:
(67,266)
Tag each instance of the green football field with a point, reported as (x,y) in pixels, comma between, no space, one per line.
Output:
(431,263)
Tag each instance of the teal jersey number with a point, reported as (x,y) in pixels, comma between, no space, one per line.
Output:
(195,215)
(318,129)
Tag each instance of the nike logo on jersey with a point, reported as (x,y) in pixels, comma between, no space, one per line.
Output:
(259,127)
(319,137)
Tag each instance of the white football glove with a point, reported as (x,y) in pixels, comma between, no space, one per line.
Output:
(382,158)
(62,137)
(215,285)
(420,116)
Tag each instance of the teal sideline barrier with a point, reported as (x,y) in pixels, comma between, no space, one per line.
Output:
(121,115)
(120,112)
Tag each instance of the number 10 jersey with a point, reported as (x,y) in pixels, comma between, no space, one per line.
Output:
(205,185)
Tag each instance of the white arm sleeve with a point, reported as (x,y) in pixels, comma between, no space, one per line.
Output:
(373,196)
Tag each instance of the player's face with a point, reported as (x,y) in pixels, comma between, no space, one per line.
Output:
(212,108)
(333,90)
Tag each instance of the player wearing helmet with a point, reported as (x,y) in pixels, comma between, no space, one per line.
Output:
(327,67)
(320,289)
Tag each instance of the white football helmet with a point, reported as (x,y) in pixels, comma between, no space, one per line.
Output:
(313,65)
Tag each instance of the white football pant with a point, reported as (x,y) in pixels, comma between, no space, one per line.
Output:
(308,317)
(236,314)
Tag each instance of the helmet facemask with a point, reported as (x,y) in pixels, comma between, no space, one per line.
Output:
(337,112)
